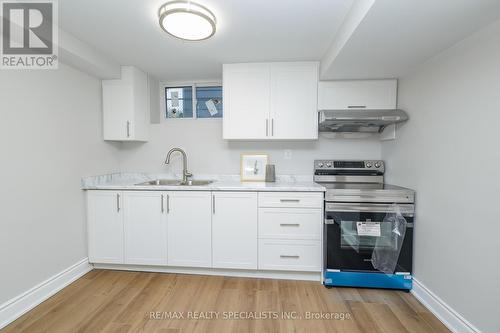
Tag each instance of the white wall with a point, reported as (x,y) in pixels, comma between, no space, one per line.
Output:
(449,153)
(50,136)
(209,154)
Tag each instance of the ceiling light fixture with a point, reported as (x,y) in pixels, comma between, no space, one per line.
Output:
(187,20)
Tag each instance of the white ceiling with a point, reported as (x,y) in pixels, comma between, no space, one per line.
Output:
(396,36)
(389,37)
(248,30)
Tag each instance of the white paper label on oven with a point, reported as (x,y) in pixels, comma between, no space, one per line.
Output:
(368,229)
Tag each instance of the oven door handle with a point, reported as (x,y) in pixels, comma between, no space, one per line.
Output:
(406,209)
(332,221)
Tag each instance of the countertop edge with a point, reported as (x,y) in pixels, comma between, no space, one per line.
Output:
(205,188)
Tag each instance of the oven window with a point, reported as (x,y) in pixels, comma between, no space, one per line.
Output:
(356,236)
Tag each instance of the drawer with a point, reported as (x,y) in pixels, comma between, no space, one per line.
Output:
(291,199)
(286,223)
(290,255)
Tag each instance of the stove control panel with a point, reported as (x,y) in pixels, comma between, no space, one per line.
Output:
(349,165)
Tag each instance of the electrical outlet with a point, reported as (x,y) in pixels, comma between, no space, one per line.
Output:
(288,154)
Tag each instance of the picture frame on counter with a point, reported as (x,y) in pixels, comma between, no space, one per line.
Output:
(253,167)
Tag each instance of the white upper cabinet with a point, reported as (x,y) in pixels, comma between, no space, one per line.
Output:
(234,230)
(357,94)
(294,93)
(145,228)
(125,102)
(270,101)
(246,101)
(105,226)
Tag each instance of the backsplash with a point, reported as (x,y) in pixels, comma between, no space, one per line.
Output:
(208,153)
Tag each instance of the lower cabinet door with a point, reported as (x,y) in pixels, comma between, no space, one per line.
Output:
(234,230)
(145,228)
(105,227)
(189,217)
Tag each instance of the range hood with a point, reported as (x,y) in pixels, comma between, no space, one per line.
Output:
(364,121)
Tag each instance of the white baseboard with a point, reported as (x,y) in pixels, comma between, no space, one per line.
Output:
(449,317)
(284,275)
(17,306)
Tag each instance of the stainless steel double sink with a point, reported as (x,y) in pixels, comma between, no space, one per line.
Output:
(173,182)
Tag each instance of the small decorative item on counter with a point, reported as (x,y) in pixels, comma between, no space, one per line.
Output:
(270,173)
(253,167)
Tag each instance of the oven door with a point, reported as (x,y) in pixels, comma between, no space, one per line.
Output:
(353,229)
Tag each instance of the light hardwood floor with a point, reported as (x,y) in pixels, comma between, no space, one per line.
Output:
(113,301)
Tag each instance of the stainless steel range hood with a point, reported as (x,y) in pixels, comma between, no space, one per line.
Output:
(364,121)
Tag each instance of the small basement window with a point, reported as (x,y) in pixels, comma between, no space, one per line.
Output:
(206,99)
(179,102)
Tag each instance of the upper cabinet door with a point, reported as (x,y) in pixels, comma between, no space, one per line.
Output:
(145,228)
(246,101)
(189,215)
(126,112)
(105,227)
(357,94)
(294,96)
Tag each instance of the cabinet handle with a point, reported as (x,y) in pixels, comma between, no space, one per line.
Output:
(289,256)
(289,225)
(162,208)
(272,126)
(118,203)
(213,204)
(168,203)
(289,200)
(356,106)
(128,129)
(267,127)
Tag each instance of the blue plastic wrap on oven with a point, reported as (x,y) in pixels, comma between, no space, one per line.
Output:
(368,280)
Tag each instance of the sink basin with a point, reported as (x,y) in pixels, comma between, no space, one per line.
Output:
(173,182)
(196,182)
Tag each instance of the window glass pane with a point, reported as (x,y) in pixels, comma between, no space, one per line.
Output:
(179,101)
(209,102)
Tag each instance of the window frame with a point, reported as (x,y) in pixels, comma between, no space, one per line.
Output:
(193,85)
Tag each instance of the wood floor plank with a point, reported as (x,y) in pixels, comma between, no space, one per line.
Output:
(117,301)
(385,318)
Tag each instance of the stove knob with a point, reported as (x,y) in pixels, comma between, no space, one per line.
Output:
(320,165)
(368,164)
(377,165)
(328,165)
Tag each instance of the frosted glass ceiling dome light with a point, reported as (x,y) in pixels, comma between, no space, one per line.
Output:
(187,20)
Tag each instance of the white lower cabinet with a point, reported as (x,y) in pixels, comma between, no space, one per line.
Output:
(189,215)
(234,230)
(290,231)
(277,231)
(105,227)
(145,228)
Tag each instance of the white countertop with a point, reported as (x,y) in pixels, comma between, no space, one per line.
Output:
(129,181)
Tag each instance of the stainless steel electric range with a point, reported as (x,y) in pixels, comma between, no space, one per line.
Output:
(358,207)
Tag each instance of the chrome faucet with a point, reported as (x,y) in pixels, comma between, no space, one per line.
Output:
(185,173)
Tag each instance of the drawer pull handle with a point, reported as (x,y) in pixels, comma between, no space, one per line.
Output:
(289,224)
(162,204)
(289,256)
(289,200)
